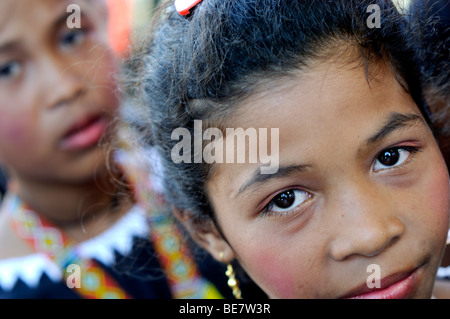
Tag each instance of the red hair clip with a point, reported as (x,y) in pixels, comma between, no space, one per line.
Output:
(184,7)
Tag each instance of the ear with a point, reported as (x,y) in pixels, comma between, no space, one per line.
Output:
(206,234)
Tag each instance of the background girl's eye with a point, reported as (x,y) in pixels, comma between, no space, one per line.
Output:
(287,200)
(72,38)
(10,70)
(393,157)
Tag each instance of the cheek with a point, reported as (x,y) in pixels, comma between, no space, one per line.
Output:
(14,131)
(104,90)
(18,140)
(104,67)
(437,191)
(270,267)
(431,203)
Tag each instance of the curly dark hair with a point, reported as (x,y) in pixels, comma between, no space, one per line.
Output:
(432,19)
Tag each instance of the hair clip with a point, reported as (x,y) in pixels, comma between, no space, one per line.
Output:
(184,7)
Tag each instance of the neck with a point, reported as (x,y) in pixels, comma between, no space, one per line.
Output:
(81,210)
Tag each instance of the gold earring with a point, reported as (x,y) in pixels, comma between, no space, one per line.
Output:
(233,283)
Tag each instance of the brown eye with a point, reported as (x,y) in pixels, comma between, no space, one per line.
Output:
(287,202)
(285,199)
(389,157)
(393,157)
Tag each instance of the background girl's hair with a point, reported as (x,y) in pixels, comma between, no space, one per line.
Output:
(200,67)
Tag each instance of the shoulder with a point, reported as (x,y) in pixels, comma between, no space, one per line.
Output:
(27,270)
(32,277)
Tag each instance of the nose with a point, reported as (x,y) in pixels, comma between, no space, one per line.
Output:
(62,81)
(366,223)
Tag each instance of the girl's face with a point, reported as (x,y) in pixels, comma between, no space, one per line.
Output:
(56,88)
(360,199)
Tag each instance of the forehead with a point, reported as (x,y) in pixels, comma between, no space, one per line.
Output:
(328,110)
(27,17)
(29,11)
(332,93)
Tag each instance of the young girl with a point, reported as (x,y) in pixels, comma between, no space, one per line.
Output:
(69,225)
(357,205)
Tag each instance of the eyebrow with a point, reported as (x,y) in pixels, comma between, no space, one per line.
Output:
(395,122)
(61,19)
(258,178)
(9,46)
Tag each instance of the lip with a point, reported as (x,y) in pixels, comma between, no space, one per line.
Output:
(400,285)
(84,134)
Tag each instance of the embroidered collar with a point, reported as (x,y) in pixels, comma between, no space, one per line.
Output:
(118,238)
(181,271)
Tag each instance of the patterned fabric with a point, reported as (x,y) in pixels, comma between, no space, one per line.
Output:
(132,263)
(182,273)
(180,269)
(174,257)
(45,238)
